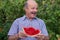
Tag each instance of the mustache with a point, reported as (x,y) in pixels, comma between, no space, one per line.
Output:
(33,12)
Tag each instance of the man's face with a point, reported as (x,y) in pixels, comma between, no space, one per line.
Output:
(31,11)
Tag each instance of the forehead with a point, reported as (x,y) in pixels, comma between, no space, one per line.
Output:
(32,4)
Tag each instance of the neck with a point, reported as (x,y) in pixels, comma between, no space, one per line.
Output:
(29,17)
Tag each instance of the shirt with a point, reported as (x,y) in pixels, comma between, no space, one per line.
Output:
(19,23)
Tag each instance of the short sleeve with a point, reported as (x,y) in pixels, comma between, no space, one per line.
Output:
(14,28)
(44,30)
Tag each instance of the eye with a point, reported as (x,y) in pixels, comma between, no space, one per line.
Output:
(34,8)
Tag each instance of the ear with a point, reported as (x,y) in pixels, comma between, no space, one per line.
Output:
(25,9)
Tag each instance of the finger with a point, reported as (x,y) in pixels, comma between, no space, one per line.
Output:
(21,34)
(39,36)
(22,37)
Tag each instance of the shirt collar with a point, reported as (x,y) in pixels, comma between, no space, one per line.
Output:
(24,17)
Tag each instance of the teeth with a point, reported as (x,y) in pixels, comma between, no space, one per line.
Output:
(33,13)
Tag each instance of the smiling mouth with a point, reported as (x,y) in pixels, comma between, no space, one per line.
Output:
(33,12)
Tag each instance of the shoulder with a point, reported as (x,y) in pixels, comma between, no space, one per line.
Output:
(18,19)
(40,20)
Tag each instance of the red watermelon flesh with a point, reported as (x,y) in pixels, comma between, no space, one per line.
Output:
(31,31)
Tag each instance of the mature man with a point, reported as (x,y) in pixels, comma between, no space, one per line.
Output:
(29,19)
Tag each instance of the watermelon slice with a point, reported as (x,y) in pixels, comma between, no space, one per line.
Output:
(31,31)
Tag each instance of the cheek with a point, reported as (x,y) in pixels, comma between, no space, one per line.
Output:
(30,10)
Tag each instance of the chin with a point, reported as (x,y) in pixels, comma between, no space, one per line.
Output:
(33,17)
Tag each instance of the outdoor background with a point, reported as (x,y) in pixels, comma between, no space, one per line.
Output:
(49,11)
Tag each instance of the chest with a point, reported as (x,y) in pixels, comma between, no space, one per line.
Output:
(35,24)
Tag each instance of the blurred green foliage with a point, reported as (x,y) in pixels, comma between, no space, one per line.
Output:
(48,10)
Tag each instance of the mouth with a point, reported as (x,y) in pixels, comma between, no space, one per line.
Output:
(33,12)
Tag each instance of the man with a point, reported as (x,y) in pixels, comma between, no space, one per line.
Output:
(29,19)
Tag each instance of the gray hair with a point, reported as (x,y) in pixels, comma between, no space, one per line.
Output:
(26,5)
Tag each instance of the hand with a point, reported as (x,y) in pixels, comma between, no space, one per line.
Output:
(22,35)
(40,37)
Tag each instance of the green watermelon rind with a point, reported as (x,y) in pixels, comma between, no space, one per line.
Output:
(30,35)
